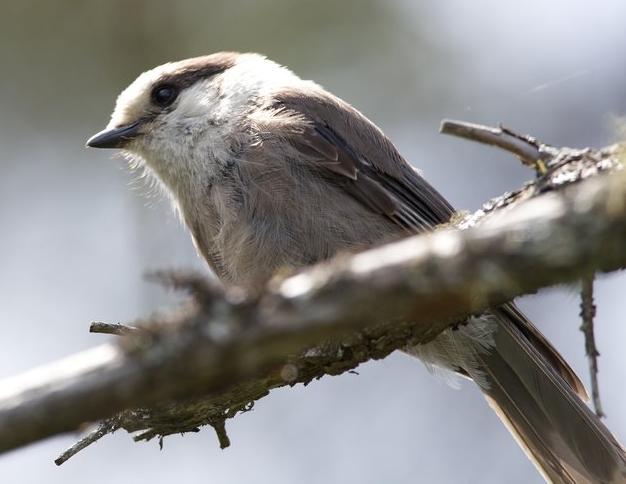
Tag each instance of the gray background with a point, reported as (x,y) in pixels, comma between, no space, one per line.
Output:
(77,232)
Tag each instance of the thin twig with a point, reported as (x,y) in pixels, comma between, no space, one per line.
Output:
(104,428)
(220,430)
(111,328)
(588,312)
(524,147)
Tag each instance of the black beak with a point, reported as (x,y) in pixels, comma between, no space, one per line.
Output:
(114,137)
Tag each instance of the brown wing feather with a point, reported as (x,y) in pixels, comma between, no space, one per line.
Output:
(369,160)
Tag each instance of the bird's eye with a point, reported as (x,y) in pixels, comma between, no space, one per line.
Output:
(164,96)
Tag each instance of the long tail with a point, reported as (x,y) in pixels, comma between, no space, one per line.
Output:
(535,394)
(543,410)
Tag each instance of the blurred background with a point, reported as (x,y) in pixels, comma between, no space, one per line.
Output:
(77,232)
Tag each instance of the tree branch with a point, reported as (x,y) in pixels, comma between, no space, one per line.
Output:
(207,361)
(110,328)
(104,428)
(526,148)
(588,313)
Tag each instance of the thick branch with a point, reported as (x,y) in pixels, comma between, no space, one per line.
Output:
(416,287)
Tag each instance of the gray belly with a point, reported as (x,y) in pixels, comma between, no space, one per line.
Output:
(249,238)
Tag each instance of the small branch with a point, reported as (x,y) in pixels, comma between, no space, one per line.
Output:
(525,148)
(104,428)
(588,312)
(220,430)
(111,328)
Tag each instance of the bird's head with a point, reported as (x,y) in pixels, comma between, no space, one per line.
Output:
(189,115)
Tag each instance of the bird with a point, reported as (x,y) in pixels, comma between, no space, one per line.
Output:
(269,171)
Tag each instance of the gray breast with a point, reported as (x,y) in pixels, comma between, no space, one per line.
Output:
(273,214)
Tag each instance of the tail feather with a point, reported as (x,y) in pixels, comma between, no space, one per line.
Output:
(537,450)
(534,392)
(561,435)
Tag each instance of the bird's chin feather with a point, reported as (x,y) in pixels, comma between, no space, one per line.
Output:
(143,179)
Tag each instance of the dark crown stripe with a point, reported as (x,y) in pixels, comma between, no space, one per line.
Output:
(199,68)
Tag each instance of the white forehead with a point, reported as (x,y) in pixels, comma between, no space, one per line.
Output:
(132,101)
(250,73)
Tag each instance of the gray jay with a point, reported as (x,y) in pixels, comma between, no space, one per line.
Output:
(270,171)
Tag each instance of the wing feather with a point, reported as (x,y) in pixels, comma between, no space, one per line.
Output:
(373,170)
